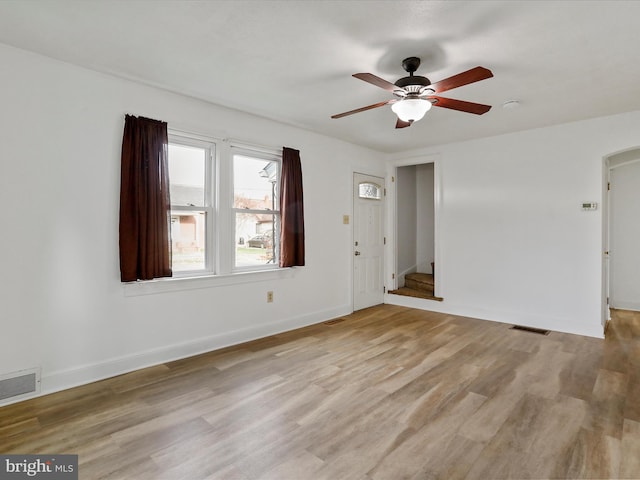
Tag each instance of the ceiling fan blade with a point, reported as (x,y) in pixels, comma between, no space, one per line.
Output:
(460,105)
(377,81)
(363,109)
(464,78)
(403,124)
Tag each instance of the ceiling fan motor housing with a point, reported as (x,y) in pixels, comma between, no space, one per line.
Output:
(413,84)
(413,80)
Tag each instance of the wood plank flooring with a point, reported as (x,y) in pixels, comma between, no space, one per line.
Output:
(386,393)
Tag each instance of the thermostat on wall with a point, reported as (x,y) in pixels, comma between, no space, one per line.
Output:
(589,206)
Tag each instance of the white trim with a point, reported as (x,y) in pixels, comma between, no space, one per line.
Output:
(622,164)
(176,284)
(218,138)
(208,206)
(417,160)
(609,163)
(392,222)
(605,236)
(633,305)
(391,254)
(255,151)
(438,209)
(200,137)
(65,379)
(400,275)
(557,324)
(263,155)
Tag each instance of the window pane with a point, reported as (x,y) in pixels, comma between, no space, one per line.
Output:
(188,240)
(186,174)
(254,183)
(254,239)
(369,190)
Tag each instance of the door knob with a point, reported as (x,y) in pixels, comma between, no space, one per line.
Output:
(357,253)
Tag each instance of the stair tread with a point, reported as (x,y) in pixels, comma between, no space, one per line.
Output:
(425,278)
(410,292)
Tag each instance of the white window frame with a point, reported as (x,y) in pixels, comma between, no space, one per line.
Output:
(270,156)
(208,208)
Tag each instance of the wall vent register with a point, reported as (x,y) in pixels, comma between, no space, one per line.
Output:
(19,384)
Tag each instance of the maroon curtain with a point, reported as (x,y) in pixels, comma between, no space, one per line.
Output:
(145,213)
(291,210)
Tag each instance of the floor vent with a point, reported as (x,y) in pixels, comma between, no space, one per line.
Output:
(333,322)
(539,331)
(19,384)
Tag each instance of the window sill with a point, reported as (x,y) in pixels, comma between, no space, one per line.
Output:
(163,285)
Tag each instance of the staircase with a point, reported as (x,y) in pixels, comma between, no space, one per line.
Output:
(422,282)
(420,285)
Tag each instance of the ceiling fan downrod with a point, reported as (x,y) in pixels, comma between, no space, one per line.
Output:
(410,65)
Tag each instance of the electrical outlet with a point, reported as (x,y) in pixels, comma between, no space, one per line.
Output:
(345,219)
(269,297)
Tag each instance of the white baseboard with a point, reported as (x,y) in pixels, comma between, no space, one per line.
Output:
(401,275)
(513,318)
(82,375)
(625,305)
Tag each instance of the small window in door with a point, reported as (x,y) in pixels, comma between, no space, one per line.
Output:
(370,191)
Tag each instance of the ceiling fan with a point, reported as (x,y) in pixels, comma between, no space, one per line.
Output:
(416,94)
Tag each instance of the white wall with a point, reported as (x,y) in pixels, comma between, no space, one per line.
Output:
(425,218)
(63,306)
(625,236)
(514,244)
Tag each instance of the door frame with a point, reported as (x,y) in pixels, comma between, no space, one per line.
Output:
(607,166)
(606,178)
(392,205)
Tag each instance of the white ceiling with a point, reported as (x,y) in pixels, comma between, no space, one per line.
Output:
(292,61)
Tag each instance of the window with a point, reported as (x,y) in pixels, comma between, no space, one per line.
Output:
(218,226)
(255,208)
(369,190)
(190,177)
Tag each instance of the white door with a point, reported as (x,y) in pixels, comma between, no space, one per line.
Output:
(368,239)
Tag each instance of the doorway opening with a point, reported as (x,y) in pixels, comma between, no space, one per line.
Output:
(416,265)
(621,233)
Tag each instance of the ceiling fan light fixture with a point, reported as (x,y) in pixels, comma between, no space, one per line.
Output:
(411,109)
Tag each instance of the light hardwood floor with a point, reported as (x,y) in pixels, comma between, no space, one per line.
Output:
(386,393)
